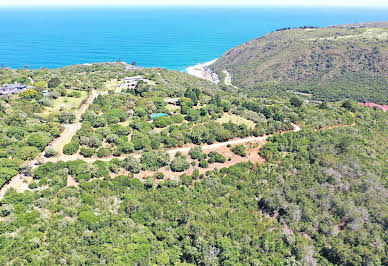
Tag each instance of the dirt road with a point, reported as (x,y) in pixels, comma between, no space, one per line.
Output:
(20,182)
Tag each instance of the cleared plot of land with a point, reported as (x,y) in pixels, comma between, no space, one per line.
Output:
(112,84)
(66,104)
(172,108)
(227,117)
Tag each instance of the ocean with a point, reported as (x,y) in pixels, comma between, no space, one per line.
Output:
(169,37)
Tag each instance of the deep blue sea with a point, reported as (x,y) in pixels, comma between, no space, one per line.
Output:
(170,37)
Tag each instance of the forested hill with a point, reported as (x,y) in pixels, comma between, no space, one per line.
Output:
(344,61)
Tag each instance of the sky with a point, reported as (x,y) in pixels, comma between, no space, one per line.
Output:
(369,3)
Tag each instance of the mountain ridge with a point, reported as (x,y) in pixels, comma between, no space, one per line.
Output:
(316,60)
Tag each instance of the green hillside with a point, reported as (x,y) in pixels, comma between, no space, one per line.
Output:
(348,61)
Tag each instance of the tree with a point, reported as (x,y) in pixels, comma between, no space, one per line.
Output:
(132,164)
(154,160)
(53,82)
(161,122)
(66,117)
(179,164)
(27,153)
(193,115)
(38,140)
(348,105)
(296,102)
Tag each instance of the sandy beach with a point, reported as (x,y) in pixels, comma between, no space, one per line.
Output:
(203,71)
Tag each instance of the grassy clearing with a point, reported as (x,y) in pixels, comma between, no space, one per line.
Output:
(111,84)
(67,104)
(172,108)
(236,119)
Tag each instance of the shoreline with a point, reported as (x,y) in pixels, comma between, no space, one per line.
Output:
(203,71)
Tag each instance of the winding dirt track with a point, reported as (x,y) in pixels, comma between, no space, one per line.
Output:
(18,182)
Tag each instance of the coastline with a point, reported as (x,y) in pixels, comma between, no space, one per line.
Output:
(203,71)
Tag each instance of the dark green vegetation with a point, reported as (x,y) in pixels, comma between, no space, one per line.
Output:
(121,122)
(330,63)
(319,199)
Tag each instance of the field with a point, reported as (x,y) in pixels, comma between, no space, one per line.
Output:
(65,104)
(227,117)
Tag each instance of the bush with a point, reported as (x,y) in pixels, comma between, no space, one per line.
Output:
(296,102)
(159,175)
(161,122)
(103,152)
(203,163)
(154,160)
(215,157)
(86,151)
(239,150)
(50,152)
(349,106)
(126,147)
(196,152)
(71,148)
(176,119)
(66,117)
(27,153)
(38,140)
(132,164)
(179,164)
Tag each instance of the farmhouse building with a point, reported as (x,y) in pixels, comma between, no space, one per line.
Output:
(9,89)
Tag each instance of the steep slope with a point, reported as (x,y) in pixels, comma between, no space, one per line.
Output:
(346,61)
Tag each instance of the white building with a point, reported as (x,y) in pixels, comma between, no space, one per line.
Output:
(131,82)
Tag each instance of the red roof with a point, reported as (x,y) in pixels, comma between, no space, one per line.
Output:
(382,107)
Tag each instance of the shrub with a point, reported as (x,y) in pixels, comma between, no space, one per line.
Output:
(27,153)
(38,140)
(203,163)
(66,117)
(177,118)
(154,160)
(179,164)
(132,164)
(88,218)
(195,152)
(50,152)
(296,102)
(86,151)
(215,157)
(161,122)
(239,150)
(103,152)
(126,147)
(71,148)
(159,175)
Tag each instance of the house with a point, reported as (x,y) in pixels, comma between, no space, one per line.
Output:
(131,82)
(132,67)
(171,100)
(9,89)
